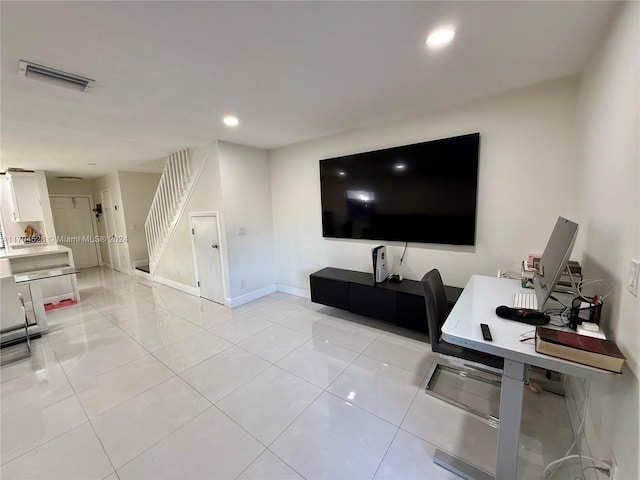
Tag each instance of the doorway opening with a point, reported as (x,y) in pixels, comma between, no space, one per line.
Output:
(76,227)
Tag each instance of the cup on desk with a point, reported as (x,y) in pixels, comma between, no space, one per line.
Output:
(583,311)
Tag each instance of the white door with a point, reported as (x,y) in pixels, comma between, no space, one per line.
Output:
(110,223)
(206,247)
(73,221)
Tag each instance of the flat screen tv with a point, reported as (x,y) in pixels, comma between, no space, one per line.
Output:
(425,193)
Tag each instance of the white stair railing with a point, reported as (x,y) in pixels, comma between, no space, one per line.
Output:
(172,188)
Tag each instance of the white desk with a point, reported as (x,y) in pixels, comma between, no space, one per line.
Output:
(38,268)
(477,305)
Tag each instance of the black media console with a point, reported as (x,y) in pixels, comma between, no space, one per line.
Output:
(401,303)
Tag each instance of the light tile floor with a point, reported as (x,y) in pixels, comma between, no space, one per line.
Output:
(143,381)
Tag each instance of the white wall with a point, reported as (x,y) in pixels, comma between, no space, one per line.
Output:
(246,198)
(607,207)
(176,265)
(112,182)
(527,153)
(56,186)
(48,228)
(137,191)
(234,182)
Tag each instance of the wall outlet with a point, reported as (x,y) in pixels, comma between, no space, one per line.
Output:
(241,230)
(632,281)
(241,283)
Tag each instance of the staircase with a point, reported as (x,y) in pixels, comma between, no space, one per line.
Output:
(176,181)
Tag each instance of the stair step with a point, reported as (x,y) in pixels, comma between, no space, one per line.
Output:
(143,268)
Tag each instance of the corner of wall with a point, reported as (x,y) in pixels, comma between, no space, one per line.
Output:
(47,214)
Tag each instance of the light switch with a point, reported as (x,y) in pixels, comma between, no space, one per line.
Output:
(241,230)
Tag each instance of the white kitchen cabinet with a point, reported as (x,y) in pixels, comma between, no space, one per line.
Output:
(25,197)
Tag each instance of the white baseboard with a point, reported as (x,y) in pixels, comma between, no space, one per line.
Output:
(141,274)
(298,292)
(177,285)
(249,297)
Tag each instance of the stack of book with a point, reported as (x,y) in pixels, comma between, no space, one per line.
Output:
(587,350)
(576,273)
(528,270)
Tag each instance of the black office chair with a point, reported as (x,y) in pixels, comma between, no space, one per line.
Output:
(437,312)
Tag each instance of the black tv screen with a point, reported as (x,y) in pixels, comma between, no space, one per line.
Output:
(424,193)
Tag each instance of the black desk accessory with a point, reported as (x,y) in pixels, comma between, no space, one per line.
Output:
(486,333)
(523,315)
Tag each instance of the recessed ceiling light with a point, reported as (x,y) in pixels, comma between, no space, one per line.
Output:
(231,121)
(399,166)
(342,173)
(440,37)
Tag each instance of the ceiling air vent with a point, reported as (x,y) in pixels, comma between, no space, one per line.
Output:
(55,77)
(68,179)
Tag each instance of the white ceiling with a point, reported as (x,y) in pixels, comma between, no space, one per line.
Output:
(166,72)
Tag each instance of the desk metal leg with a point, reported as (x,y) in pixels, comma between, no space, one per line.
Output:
(38,306)
(513,377)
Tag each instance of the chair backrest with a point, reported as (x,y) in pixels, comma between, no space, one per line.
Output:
(435,299)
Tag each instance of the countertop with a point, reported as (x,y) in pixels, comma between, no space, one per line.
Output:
(33,251)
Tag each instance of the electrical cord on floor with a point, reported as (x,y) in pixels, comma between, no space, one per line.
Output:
(576,439)
(606,468)
(603,466)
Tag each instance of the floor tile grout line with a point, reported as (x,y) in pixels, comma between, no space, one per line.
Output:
(323,390)
(111,369)
(150,353)
(26,405)
(196,364)
(173,374)
(105,316)
(266,359)
(45,443)
(239,386)
(135,396)
(101,348)
(268,447)
(386,452)
(252,378)
(88,419)
(167,435)
(272,453)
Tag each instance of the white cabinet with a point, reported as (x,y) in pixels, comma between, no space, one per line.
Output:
(25,197)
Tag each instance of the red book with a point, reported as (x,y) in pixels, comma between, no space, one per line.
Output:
(590,351)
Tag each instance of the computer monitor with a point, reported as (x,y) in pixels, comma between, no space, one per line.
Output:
(554,259)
